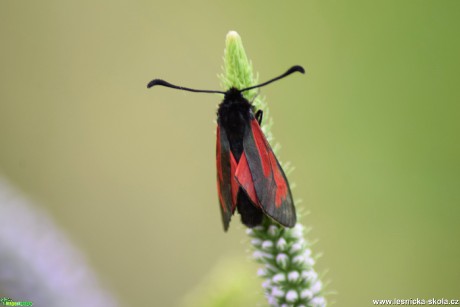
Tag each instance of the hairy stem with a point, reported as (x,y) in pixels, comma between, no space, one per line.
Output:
(285,255)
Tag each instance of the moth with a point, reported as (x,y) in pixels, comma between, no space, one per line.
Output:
(249,177)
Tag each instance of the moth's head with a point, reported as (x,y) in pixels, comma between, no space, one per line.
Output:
(233,94)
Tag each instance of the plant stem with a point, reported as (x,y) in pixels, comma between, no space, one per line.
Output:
(290,279)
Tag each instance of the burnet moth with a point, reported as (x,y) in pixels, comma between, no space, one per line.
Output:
(249,176)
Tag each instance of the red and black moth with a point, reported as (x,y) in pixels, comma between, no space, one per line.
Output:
(249,176)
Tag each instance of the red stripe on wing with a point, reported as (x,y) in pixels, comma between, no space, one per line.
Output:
(234,183)
(244,178)
(269,163)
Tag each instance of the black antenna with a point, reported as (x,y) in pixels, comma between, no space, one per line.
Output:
(291,70)
(167,84)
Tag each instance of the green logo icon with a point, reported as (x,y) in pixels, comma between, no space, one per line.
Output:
(3,300)
(6,301)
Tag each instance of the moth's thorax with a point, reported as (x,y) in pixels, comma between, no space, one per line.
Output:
(234,115)
(234,111)
(233,103)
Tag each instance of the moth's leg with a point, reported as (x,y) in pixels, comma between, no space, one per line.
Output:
(259,115)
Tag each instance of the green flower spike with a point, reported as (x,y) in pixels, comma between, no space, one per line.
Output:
(290,279)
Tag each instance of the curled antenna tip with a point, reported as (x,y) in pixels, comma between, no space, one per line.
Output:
(297,68)
(155,82)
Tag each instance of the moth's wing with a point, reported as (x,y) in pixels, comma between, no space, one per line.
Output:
(268,179)
(244,178)
(227,187)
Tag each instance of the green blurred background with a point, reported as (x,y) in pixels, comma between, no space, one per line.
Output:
(129,173)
